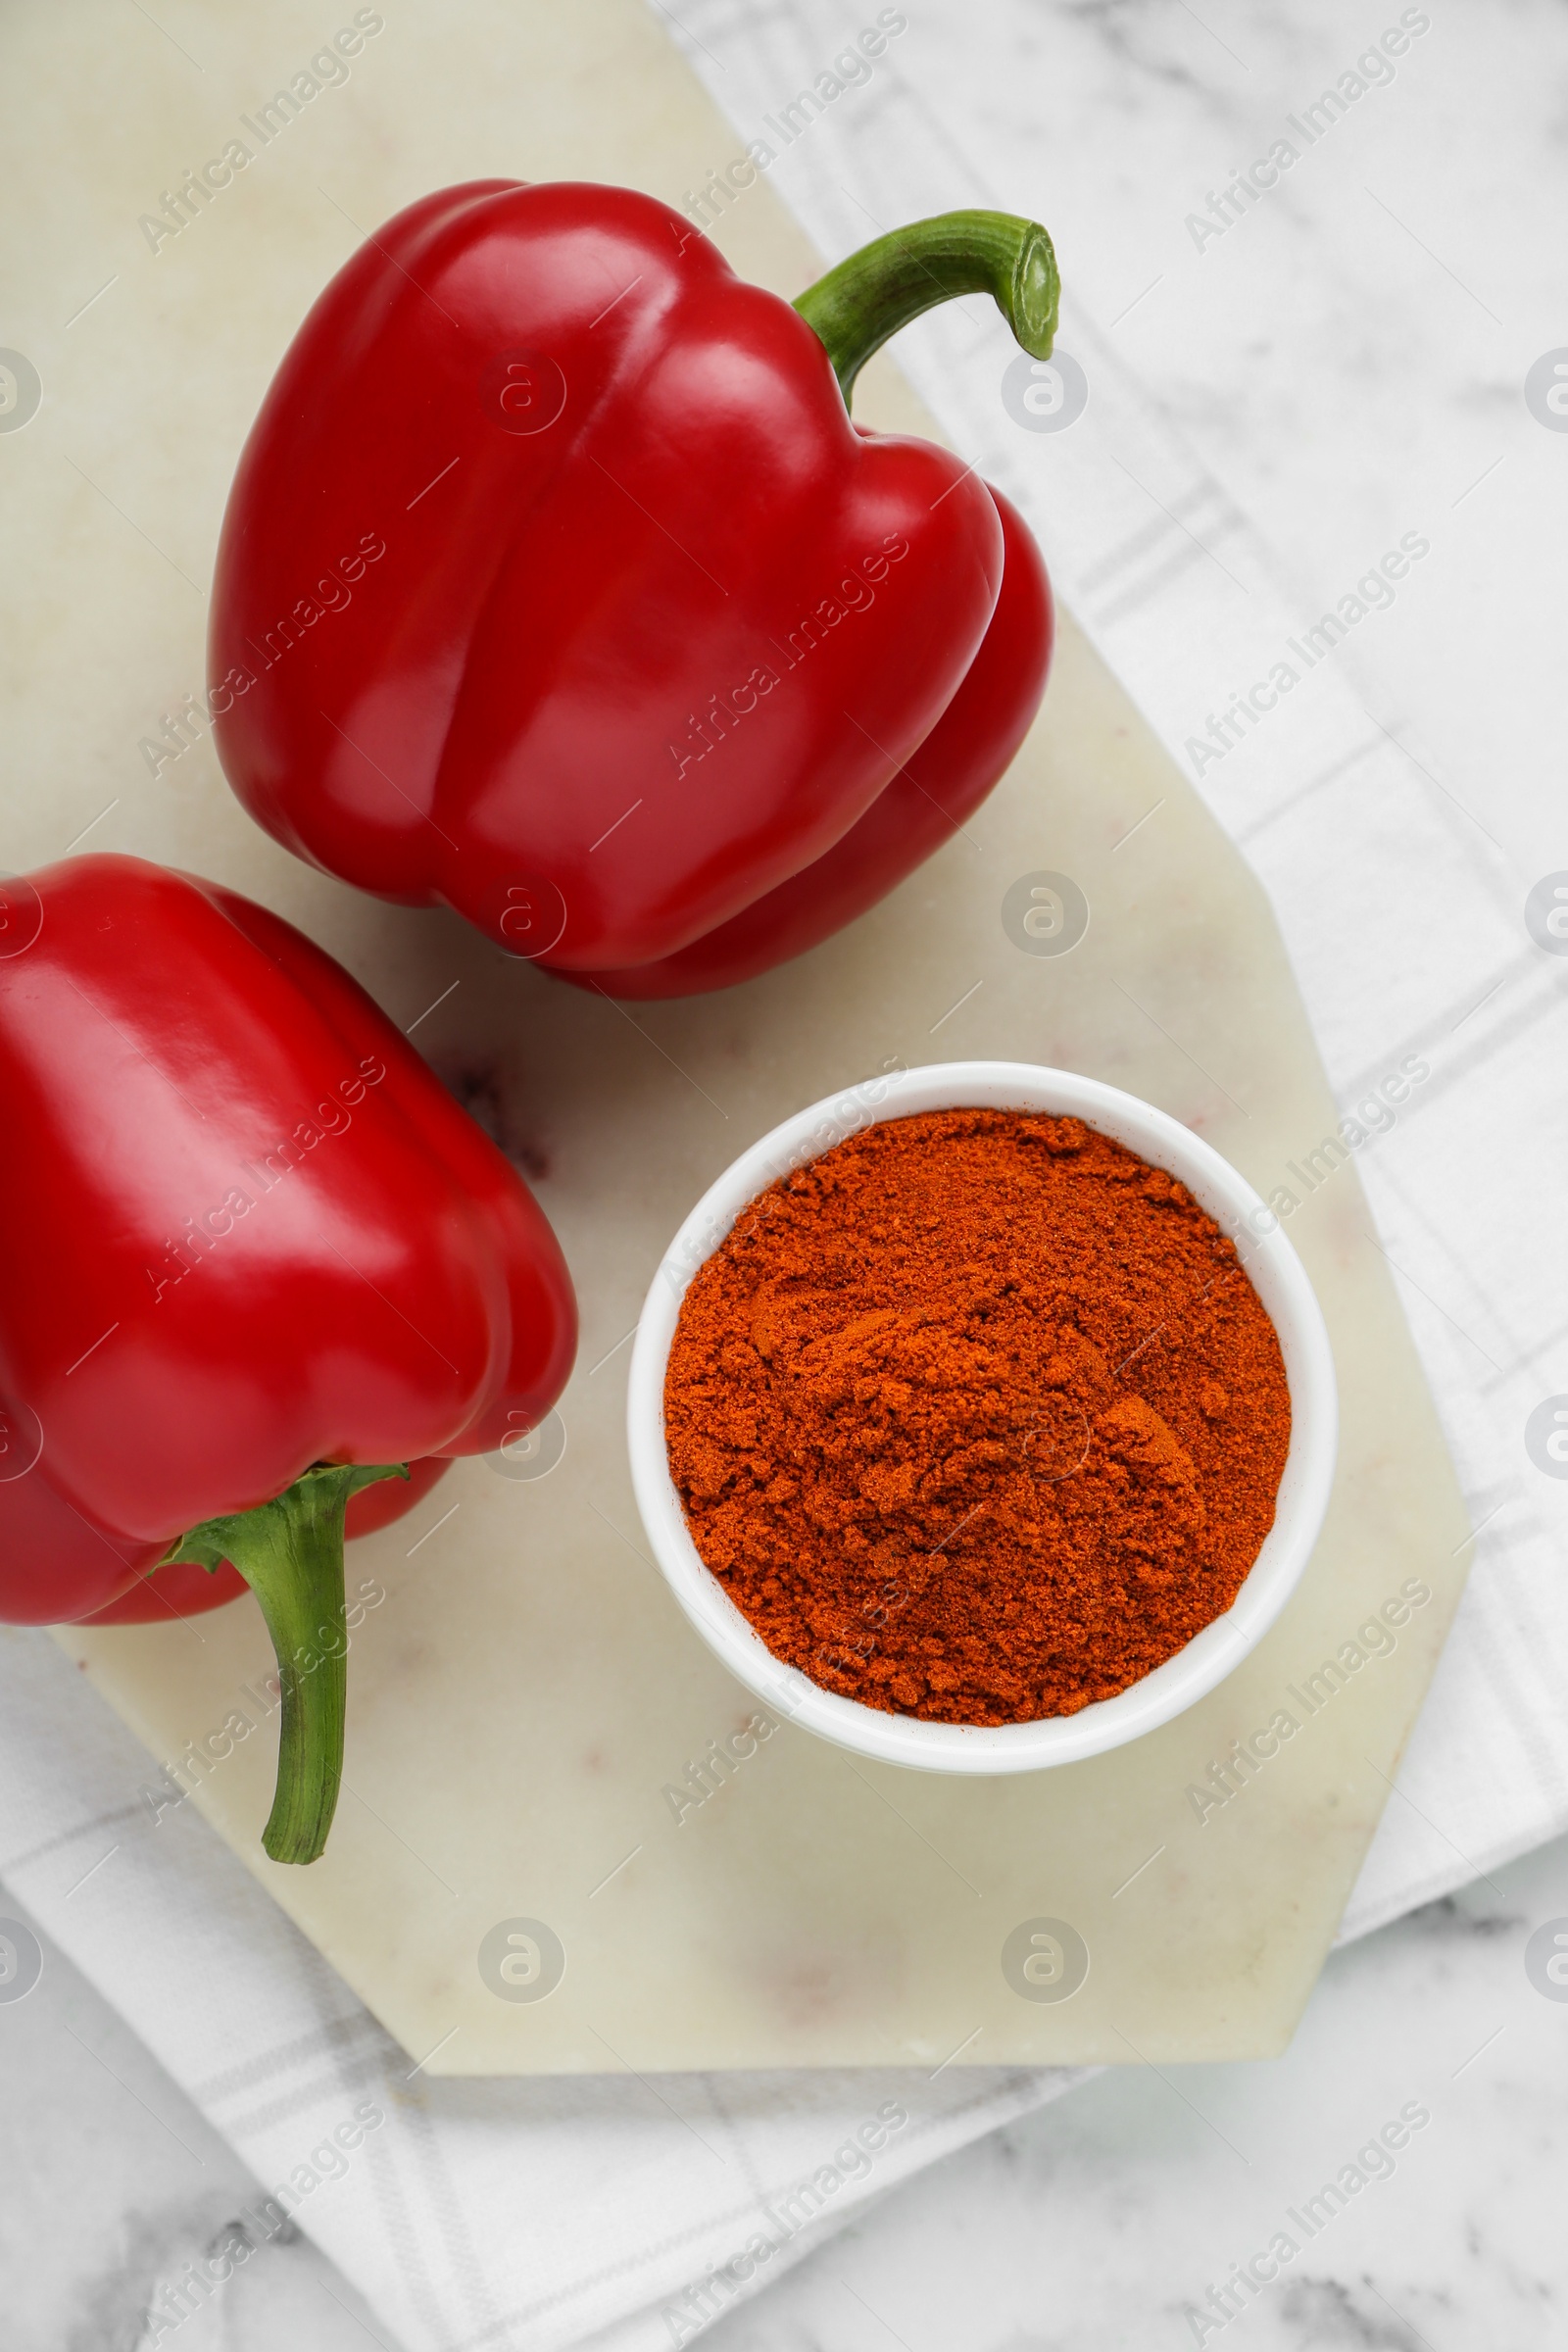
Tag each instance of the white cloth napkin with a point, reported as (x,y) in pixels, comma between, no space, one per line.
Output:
(624,2213)
(492,2213)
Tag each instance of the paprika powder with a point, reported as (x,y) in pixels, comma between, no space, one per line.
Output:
(977,1417)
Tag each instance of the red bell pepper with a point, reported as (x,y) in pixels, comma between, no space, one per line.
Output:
(253,1259)
(556,585)
(185,1588)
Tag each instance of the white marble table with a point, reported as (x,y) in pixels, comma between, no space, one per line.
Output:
(1091,2223)
(111,2182)
(1104,2220)
(1349,358)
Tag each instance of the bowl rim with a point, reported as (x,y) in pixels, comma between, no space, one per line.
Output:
(1287,1296)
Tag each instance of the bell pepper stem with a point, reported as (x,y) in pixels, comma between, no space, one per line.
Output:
(867,298)
(290,1552)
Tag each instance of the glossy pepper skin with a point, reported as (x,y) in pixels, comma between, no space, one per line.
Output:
(244,1234)
(940,783)
(556,585)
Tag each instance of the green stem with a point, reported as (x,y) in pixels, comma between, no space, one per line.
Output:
(290,1552)
(867,298)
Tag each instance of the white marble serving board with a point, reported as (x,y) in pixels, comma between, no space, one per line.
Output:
(527,1690)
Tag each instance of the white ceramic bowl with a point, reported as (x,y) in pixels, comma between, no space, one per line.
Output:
(1281,1284)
